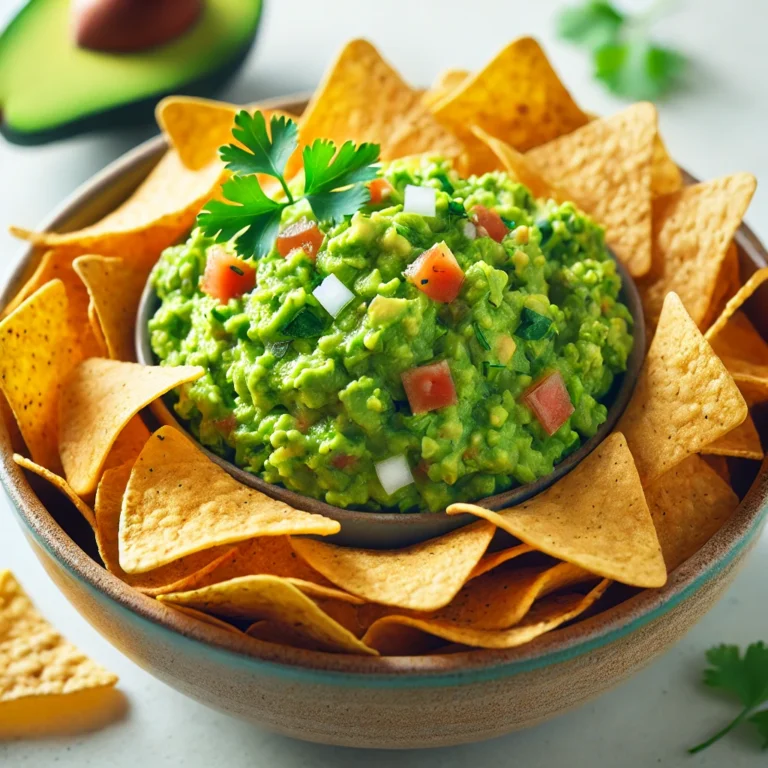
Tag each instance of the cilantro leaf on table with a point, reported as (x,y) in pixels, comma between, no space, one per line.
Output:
(333,182)
(591,25)
(744,677)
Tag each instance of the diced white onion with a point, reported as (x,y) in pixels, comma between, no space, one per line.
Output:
(470,230)
(394,474)
(333,295)
(420,200)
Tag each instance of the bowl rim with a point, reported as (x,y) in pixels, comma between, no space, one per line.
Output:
(341,669)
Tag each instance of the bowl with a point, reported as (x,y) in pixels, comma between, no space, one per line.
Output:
(388,530)
(385,702)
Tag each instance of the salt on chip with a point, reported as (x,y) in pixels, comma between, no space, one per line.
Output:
(156,215)
(47,686)
(684,400)
(606,168)
(494,559)
(422,577)
(689,504)
(397,635)
(275,599)
(595,517)
(60,484)
(362,99)
(517,97)
(37,351)
(692,231)
(742,442)
(185,573)
(179,502)
(98,400)
(115,288)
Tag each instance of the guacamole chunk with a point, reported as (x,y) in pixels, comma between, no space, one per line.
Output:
(315,402)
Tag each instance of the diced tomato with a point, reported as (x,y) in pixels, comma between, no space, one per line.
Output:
(302,234)
(342,461)
(227,425)
(550,402)
(227,277)
(490,221)
(380,190)
(429,387)
(437,273)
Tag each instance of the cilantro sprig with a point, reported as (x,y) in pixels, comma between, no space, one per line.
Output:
(333,182)
(625,57)
(743,677)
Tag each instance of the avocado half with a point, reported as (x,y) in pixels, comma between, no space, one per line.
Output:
(50,88)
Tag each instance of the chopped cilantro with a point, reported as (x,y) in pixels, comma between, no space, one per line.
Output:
(305,325)
(221,315)
(509,223)
(236,270)
(533,326)
(278,349)
(480,336)
(457,209)
(446,184)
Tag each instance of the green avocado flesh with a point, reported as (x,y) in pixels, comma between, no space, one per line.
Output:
(46,81)
(315,410)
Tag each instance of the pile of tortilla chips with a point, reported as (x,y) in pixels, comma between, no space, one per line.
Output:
(173,525)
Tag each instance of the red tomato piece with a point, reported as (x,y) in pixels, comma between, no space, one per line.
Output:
(302,234)
(342,461)
(550,402)
(227,277)
(437,273)
(380,190)
(429,387)
(490,221)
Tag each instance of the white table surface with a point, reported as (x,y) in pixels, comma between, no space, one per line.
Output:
(716,127)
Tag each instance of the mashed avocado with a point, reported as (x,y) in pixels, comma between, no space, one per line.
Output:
(314,402)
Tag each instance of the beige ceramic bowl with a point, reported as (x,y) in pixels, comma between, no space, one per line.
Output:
(365,701)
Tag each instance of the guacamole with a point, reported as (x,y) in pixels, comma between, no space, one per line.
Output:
(318,403)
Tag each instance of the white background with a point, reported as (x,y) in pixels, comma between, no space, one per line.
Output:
(718,126)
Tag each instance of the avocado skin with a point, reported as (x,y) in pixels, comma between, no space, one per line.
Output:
(134,113)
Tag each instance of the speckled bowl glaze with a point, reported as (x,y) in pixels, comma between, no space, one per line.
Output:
(401,702)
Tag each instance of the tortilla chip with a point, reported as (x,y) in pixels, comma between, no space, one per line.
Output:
(684,399)
(689,504)
(495,559)
(666,177)
(728,283)
(446,82)
(594,517)
(206,618)
(363,99)
(606,168)
(115,288)
(60,484)
(179,502)
(719,464)
(156,215)
(394,635)
(692,231)
(185,573)
(274,556)
(275,599)
(743,442)
(732,308)
(422,577)
(46,685)
(37,351)
(93,320)
(128,446)
(517,97)
(97,401)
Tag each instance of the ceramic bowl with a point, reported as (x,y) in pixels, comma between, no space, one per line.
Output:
(402,702)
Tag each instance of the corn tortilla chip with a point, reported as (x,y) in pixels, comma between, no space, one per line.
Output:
(206,618)
(115,288)
(155,216)
(517,97)
(394,635)
(719,464)
(46,684)
(185,573)
(60,484)
(744,353)
(363,99)
(275,599)
(728,283)
(692,231)
(689,504)
(422,577)
(98,400)
(734,305)
(179,502)
(37,351)
(684,399)
(495,559)
(666,177)
(101,343)
(606,167)
(127,447)
(742,442)
(595,517)
(446,82)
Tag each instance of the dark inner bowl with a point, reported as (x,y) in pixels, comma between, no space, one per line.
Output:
(386,530)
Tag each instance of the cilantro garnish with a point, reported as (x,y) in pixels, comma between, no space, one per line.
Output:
(480,336)
(533,326)
(457,209)
(278,349)
(305,325)
(219,314)
(744,677)
(333,182)
(508,223)
(444,182)
(625,58)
